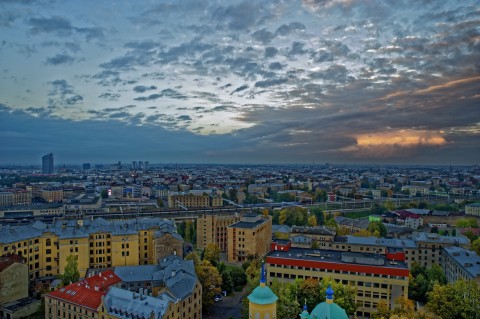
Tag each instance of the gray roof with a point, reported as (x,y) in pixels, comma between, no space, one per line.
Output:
(467,259)
(126,304)
(281,228)
(173,272)
(436,238)
(71,229)
(317,230)
(384,242)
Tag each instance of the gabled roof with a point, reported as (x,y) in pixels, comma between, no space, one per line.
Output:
(88,292)
(8,260)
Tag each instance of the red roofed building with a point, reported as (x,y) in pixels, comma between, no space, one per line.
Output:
(409,219)
(80,299)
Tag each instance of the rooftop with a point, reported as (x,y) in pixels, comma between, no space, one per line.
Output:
(337,257)
(467,259)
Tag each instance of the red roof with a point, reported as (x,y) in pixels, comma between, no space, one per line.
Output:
(7,260)
(406,213)
(88,292)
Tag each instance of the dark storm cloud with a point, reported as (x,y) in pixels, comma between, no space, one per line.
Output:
(110,96)
(148,98)
(74,99)
(60,59)
(270,52)
(143,88)
(263,36)
(184,118)
(62,26)
(240,88)
(285,29)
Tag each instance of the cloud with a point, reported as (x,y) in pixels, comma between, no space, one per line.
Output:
(263,36)
(143,88)
(62,26)
(60,59)
(148,98)
(184,118)
(267,83)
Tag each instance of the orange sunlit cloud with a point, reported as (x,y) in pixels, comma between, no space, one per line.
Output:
(406,138)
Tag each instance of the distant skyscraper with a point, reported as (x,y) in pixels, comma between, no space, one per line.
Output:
(147,164)
(134,165)
(47,164)
(86,166)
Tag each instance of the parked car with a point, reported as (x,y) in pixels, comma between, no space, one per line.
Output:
(217,298)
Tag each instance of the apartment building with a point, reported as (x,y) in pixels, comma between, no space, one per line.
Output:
(97,243)
(374,276)
(460,263)
(194,200)
(212,229)
(52,194)
(472,209)
(251,236)
(167,290)
(308,235)
(172,279)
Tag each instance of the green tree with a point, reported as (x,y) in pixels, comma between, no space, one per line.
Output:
(287,304)
(312,220)
(70,273)
(467,222)
(104,193)
(476,246)
(212,254)
(389,205)
(457,300)
(377,226)
(211,282)
(193,256)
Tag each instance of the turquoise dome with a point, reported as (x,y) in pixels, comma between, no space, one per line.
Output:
(327,310)
(262,295)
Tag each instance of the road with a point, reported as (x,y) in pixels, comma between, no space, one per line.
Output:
(229,307)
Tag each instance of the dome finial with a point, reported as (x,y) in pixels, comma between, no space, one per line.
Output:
(329,294)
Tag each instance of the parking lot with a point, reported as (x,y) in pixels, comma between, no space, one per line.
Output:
(229,307)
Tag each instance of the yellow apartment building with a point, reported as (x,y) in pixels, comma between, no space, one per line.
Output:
(194,200)
(212,229)
(374,276)
(251,236)
(97,243)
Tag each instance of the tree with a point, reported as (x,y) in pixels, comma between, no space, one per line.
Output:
(389,205)
(212,254)
(70,273)
(312,221)
(104,193)
(160,202)
(476,246)
(287,304)
(193,256)
(467,222)
(211,282)
(457,300)
(377,226)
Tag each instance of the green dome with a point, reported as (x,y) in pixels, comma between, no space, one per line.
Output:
(327,310)
(262,295)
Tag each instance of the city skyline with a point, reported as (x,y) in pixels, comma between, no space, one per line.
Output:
(337,81)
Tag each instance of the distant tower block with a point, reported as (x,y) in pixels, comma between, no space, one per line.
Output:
(47,164)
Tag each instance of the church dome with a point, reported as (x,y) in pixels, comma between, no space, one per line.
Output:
(262,295)
(328,309)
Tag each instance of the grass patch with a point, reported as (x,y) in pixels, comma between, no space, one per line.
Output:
(356,215)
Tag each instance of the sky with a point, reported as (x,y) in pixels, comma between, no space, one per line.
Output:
(217,81)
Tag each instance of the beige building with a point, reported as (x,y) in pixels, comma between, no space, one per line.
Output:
(472,209)
(374,276)
(52,194)
(212,229)
(165,244)
(13,278)
(97,243)
(194,200)
(251,236)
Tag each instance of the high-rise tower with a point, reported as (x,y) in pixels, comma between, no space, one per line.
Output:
(47,164)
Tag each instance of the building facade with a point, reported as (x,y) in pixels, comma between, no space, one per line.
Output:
(213,229)
(97,243)
(47,164)
(251,236)
(374,276)
(193,200)
(460,263)
(472,209)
